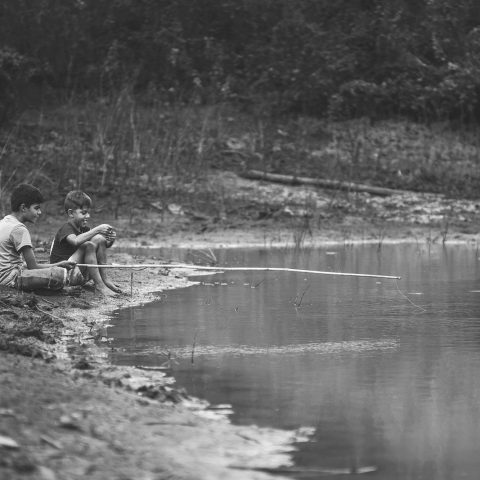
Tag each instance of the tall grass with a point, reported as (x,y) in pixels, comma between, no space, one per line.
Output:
(120,149)
(134,155)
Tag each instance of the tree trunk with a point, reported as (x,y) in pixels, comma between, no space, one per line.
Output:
(319,182)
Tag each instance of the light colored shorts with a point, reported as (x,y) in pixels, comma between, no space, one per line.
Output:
(53,278)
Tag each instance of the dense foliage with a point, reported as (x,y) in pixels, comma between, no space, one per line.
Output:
(347,58)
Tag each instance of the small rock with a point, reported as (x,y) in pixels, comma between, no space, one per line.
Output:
(7,442)
(67,421)
(46,474)
(83,364)
(6,412)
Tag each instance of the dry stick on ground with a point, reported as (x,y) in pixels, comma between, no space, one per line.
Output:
(48,313)
(320,182)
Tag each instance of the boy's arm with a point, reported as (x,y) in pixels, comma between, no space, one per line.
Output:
(77,240)
(32,264)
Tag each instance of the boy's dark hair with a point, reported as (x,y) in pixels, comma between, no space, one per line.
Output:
(25,194)
(77,199)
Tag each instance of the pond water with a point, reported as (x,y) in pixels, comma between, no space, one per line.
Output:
(386,371)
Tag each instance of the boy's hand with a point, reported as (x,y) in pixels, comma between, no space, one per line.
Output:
(68,264)
(110,237)
(103,229)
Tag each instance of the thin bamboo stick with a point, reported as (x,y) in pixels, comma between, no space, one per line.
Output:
(253,269)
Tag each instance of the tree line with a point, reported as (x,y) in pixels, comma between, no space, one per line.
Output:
(342,59)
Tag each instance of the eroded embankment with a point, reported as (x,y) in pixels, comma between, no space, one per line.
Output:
(66,413)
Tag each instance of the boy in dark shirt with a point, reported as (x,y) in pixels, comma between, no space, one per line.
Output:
(75,241)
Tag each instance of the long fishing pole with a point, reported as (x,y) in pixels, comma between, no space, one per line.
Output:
(256,269)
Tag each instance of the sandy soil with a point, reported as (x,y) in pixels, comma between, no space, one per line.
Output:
(65,413)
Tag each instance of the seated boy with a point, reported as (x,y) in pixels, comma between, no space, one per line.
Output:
(15,242)
(76,242)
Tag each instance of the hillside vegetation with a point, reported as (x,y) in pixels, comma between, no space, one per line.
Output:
(139,98)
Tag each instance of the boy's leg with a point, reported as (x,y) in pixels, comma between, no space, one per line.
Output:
(53,278)
(86,253)
(77,275)
(101,252)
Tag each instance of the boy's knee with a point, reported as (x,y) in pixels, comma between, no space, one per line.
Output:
(85,246)
(89,245)
(99,240)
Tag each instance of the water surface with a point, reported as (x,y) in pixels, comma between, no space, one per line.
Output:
(387,372)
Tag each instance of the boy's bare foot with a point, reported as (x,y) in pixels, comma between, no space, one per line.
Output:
(113,287)
(104,292)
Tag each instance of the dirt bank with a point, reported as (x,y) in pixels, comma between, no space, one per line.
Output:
(65,413)
(255,212)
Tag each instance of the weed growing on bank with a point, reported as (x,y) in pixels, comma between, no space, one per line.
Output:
(135,156)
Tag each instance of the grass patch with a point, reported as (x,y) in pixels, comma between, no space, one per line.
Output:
(134,156)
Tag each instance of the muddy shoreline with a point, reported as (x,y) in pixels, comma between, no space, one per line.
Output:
(65,413)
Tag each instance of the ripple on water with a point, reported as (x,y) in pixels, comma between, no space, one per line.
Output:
(358,346)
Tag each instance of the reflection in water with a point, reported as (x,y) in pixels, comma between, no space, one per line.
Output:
(386,371)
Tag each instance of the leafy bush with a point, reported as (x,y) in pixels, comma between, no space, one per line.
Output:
(15,71)
(347,57)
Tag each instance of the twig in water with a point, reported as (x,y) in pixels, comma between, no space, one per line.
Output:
(212,255)
(444,231)
(202,256)
(193,345)
(381,237)
(167,365)
(299,302)
(301,232)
